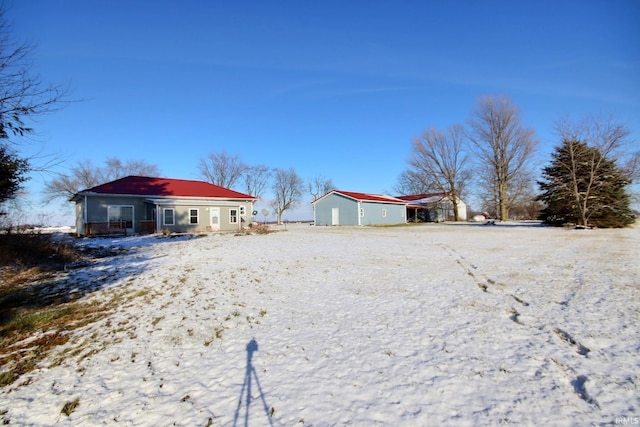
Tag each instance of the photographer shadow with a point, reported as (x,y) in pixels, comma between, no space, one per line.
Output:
(245,393)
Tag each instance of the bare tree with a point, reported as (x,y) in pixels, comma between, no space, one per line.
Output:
(287,189)
(222,169)
(503,146)
(319,186)
(86,175)
(256,179)
(115,169)
(589,147)
(520,193)
(609,136)
(23,98)
(441,159)
(412,182)
(631,166)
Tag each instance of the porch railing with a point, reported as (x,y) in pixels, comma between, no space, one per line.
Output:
(147,227)
(110,228)
(105,228)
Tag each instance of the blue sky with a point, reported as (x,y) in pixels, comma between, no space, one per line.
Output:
(332,88)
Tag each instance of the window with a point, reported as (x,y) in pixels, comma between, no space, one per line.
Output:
(384,213)
(233,216)
(361,212)
(168,216)
(121,214)
(241,210)
(193,216)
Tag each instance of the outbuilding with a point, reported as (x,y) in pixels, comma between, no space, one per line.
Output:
(339,207)
(433,207)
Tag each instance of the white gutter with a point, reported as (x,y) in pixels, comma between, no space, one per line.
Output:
(169,201)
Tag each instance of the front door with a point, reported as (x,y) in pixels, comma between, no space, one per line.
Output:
(215,219)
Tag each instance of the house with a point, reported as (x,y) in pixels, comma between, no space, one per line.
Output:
(434,207)
(351,208)
(138,204)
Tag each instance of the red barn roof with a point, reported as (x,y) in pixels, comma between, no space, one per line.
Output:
(165,187)
(414,197)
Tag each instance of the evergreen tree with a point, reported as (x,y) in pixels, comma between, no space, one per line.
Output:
(583,187)
(13,171)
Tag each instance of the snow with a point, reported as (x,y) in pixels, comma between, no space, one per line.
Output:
(433,324)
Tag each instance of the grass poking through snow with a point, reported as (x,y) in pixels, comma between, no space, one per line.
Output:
(38,308)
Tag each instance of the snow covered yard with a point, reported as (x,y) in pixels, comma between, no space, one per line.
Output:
(419,325)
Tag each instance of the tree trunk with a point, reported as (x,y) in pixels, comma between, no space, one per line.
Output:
(504,209)
(454,201)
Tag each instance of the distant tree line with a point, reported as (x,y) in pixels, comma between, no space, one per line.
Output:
(85,174)
(585,184)
(286,185)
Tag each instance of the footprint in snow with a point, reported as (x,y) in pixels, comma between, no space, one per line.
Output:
(564,336)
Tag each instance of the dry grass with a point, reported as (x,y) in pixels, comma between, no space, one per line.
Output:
(33,319)
(258,229)
(69,407)
(28,250)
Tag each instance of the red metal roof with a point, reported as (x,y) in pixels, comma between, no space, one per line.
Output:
(167,187)
(368,197)
(413,197)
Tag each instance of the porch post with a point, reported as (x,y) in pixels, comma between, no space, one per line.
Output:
(157,207)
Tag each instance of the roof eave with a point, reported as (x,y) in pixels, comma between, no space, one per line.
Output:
(146,196)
